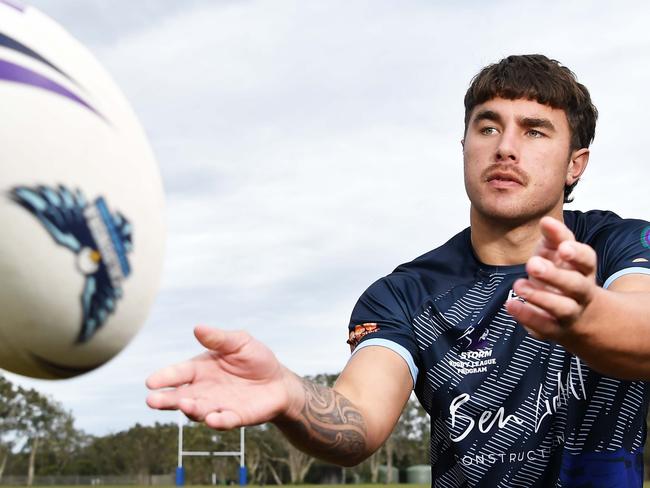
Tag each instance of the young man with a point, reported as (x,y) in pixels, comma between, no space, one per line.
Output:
(526,337)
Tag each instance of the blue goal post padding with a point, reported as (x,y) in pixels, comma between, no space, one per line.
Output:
(180,476)
(243,476)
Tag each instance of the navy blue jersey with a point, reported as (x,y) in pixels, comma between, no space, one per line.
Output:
(506,409)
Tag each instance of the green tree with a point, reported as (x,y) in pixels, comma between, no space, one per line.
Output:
(407,445)
(41,419)
(34,426)
(61,446)
(11,403)
(297,462)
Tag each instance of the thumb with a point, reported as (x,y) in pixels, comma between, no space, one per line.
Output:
(221,341)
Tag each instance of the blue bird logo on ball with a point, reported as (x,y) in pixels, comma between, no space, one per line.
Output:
(100,240)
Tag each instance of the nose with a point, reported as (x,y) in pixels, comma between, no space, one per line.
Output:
(507,149)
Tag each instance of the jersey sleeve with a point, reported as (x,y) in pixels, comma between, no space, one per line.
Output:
(381,317)
(623,249)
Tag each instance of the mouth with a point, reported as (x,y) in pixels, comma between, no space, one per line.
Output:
(504,179)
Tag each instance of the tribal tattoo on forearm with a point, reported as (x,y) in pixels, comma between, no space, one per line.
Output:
(329,425)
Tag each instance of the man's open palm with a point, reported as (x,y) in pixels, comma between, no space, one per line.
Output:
(238,381)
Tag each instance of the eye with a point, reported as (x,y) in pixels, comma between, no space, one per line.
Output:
(486,131)
(535,133)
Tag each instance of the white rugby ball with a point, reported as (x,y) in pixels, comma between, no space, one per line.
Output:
(81,204)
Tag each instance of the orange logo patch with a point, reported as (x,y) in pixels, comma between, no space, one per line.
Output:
(359,332)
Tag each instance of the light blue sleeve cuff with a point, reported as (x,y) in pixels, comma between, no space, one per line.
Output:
(623,272)
(393,346)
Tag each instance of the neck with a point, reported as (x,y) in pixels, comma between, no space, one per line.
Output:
(502,243)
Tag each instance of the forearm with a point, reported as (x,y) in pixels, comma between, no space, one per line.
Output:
(613,336)
(325,424)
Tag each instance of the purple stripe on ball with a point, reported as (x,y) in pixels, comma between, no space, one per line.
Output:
(11,3)
(19,74)
(13,44)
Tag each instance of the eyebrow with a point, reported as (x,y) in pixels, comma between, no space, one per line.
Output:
(532,122)
(487,115)
(529,122)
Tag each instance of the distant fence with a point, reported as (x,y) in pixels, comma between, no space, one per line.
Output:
(156,480)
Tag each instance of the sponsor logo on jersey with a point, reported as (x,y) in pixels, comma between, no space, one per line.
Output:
(477,353)
(474,338)
(359,332)
(541,453)
(466,420)
(99,239)
(513,296)
(645,237)
(473,362)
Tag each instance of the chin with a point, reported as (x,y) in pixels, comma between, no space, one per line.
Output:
(512,214)
(512,208)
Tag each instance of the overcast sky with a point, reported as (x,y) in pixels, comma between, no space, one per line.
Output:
(309,147)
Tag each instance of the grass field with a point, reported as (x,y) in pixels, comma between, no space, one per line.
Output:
(361,485)
(365,485)
(378,485)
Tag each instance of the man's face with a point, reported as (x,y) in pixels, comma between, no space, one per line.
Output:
(517,159)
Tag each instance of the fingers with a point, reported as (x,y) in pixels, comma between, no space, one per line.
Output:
(223,420)
(196,409)
(176,375)
(222,341)
(563,309)
(560,285)
(186,400)
(163,400)
(555,232)
(544,274)
(169,399)
(539,323)
(213,415)
(581,257)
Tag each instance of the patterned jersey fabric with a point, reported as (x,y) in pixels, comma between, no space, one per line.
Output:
(508,410)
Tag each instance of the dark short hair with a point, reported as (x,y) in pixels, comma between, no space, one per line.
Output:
(536,77)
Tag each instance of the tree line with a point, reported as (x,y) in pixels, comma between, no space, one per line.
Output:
(38,438)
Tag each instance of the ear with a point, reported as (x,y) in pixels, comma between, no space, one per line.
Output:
(577,165)
(462,142)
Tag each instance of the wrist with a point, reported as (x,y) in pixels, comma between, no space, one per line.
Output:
(295,400)
(584,333)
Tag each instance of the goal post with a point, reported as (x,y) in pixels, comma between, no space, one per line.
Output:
(180,470)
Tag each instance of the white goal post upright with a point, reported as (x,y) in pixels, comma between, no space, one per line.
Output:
(180,470)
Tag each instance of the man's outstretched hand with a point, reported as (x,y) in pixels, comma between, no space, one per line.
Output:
(237,381)
(560,286)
